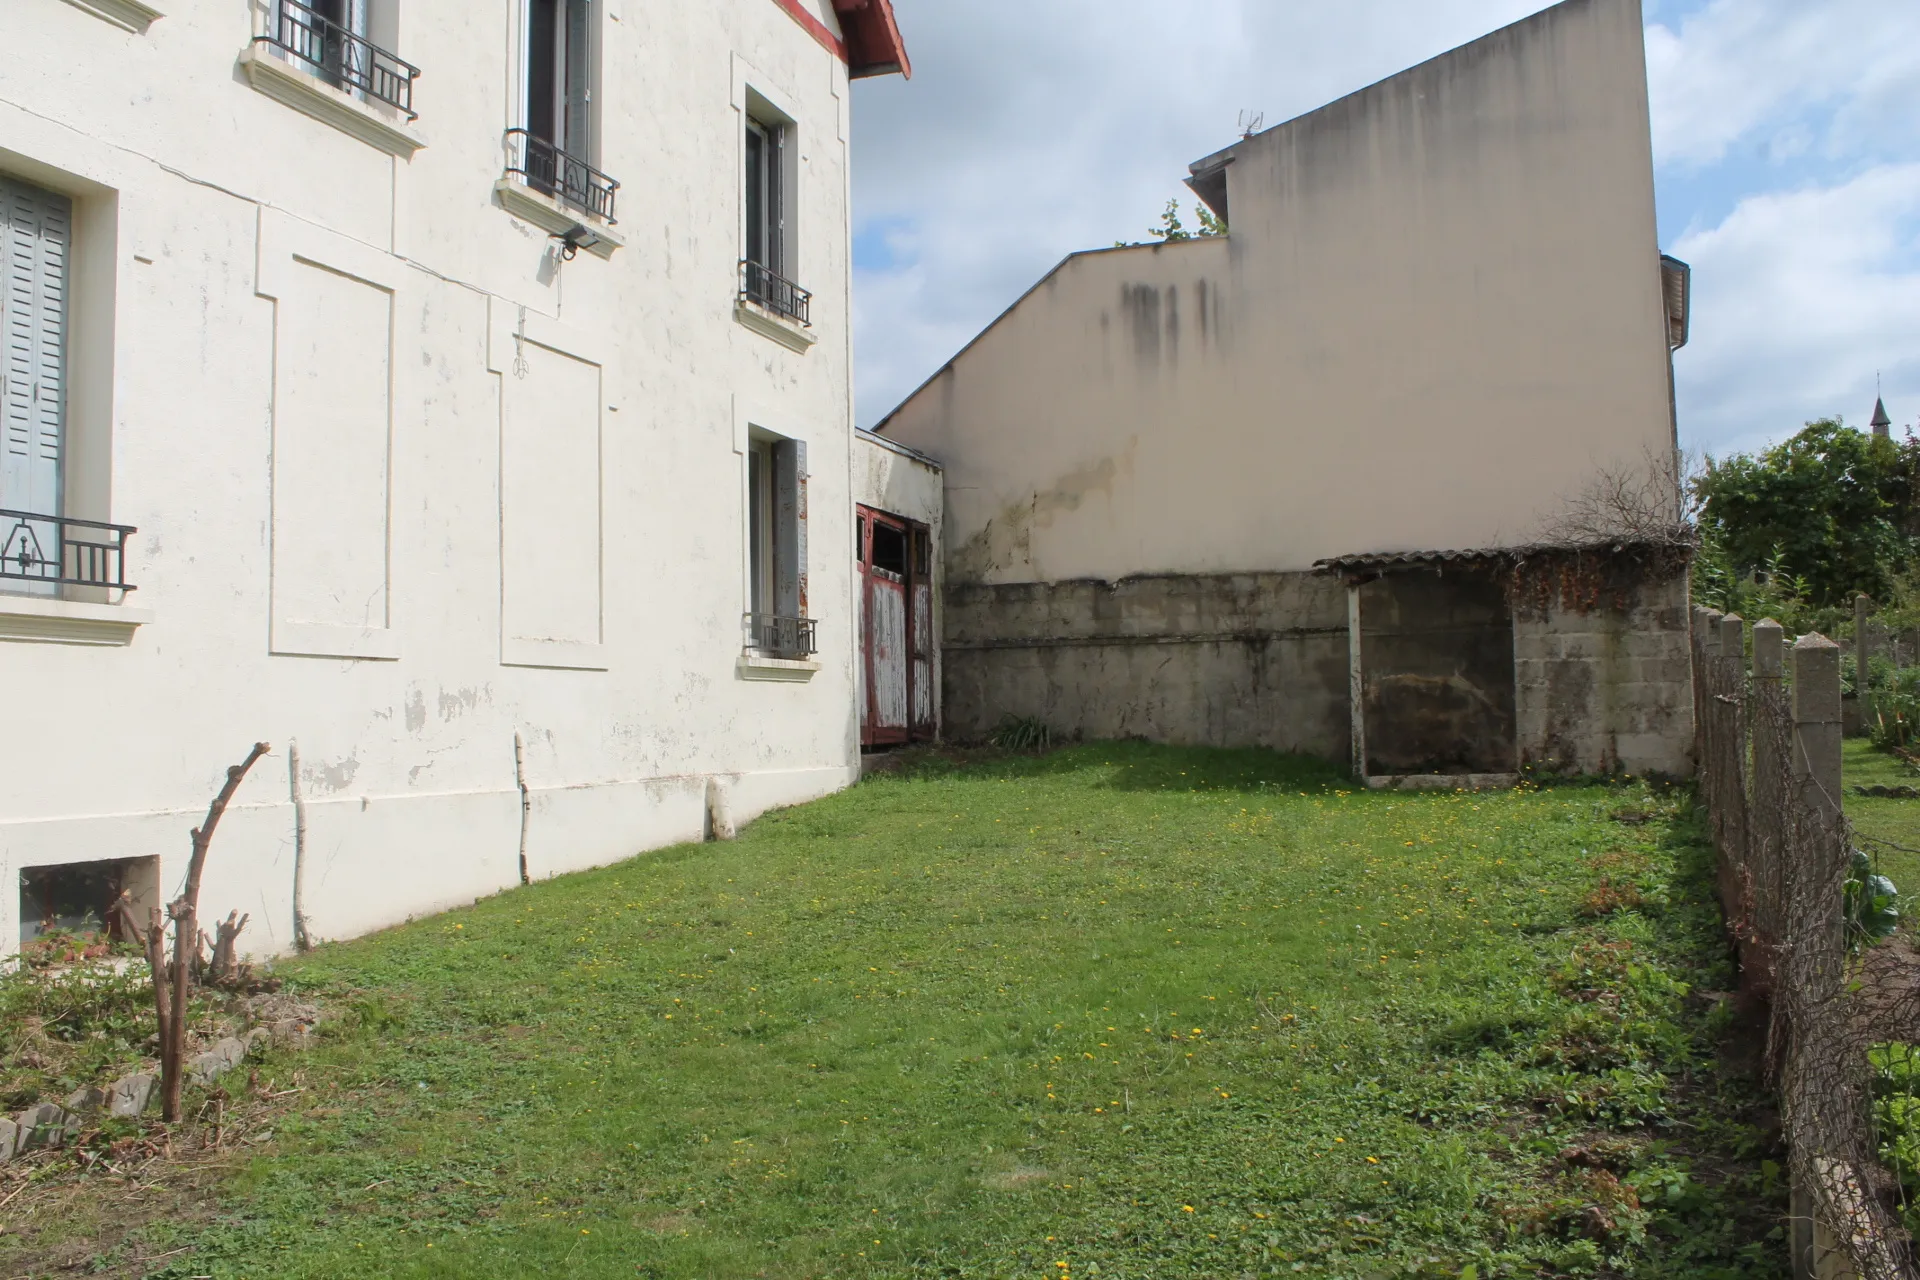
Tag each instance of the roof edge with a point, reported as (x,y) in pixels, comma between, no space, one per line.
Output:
(894,446)
(1013,306)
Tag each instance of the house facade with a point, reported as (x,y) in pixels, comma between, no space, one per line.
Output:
(1387,472)
(456,397)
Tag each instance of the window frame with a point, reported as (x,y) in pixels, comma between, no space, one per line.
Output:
(560,135)
(779,169)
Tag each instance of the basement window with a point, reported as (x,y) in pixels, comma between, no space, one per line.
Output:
(80,896)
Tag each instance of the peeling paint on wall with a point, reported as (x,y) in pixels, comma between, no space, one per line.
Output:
(1006,543)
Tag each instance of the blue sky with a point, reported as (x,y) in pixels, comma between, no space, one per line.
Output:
(1786,142)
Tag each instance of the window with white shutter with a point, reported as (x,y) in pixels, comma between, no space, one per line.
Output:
(36,242)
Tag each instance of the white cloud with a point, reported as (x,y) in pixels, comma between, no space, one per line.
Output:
(1799,297)
(1752,70)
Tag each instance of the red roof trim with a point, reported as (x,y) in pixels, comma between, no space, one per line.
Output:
(798,11)
(873,46)
(873,38)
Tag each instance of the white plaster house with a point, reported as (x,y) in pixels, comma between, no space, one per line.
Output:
(1289,486)
(434,385)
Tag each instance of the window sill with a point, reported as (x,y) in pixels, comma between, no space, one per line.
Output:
(769,325)
(555,218)
(754,666)
(308,94)
(46,620)
(131,14)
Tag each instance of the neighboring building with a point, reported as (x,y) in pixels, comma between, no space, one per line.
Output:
(899,501)
(435,386)
(1315,485)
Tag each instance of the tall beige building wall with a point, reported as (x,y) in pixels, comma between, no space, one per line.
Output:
(1438,315)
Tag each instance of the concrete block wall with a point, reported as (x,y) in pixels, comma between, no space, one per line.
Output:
(1608,691)
(1228,660)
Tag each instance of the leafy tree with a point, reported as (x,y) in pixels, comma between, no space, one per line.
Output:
(1831,510)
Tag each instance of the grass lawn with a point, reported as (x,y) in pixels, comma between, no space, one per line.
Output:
(1120,1011)
(1862,765)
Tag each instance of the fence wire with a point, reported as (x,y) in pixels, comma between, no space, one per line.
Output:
(1837,1014)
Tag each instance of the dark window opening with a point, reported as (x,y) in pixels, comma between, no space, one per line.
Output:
(890,549)
(86,897)
(922,554)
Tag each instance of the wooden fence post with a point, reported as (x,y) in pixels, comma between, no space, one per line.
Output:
(1816,723)
(1769,669)
(1733,788)
(1815,751)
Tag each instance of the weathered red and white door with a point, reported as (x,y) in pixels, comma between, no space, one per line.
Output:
(896,626)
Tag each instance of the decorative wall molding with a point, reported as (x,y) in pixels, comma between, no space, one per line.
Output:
(131,14)
(308,94)
(50,621)
(289,249)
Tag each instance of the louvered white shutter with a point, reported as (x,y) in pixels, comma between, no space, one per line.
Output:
(37,227)
(790,528)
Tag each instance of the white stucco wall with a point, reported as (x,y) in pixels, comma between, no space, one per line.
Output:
(1436,318)
(532,523)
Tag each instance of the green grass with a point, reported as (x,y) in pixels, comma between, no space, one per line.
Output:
(1120,1011)
(1864,765)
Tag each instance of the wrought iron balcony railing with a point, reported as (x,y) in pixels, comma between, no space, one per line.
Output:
(782,637)
(777,294)
(341,57)
(547,168)
(57,551)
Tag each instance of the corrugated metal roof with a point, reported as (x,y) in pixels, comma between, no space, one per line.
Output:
(1379,560)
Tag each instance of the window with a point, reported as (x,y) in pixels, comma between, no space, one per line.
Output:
(766,259)
(777,624)
(44,550)
(341,42)
(555,150)
(765,144)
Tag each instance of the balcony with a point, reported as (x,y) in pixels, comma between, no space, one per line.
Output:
(306,61)
(339,57)
(547,169)
(781,637)
(54,551)
(774,307)
(762,287)
(57,577)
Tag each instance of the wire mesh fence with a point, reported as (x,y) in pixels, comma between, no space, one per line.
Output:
(1792,884)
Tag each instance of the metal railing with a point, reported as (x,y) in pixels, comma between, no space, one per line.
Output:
(57,551)
(782,637)
(340,56)
(760,284)
(547,168)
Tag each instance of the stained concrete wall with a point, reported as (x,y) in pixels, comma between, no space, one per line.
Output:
(1254,659)
(1437,317)
(1608,691)
(406,596)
